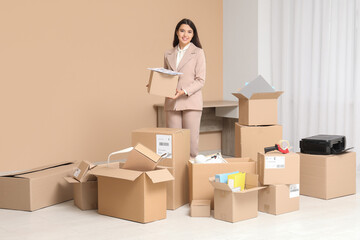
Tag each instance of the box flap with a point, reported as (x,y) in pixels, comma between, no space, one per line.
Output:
(240,96)
(26,171)
(219,185)
(161,175)
(258,85)
(71,180)
(251,181)
(125,174)
(251,190)
(272,95)
(200,203)
(147,152)
(251,184)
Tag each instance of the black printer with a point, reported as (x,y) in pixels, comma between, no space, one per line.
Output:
(323,144)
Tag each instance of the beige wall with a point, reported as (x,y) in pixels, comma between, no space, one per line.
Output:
(73,73)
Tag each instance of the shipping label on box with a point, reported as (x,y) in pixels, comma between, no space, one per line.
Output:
(274,162)
(278,168)
(294,190)
(164,145)
(279,199)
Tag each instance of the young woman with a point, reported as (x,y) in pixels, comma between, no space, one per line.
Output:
(185,108)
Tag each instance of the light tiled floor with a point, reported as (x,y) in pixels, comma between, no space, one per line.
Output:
(317,219)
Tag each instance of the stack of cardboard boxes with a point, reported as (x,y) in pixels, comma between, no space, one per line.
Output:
(281,174)
(258,126)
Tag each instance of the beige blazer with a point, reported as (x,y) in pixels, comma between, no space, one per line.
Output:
(193,67)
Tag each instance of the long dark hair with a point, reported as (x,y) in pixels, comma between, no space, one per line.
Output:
(195,40)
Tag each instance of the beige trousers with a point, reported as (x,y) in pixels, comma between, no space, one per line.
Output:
(187,119)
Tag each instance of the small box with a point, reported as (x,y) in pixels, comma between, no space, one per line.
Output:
(199,174)
(175,142)
(258,103)
(249,140)
(223,177)
(162,84)
(141,158)
(37,188)
(132,195)
(279,199)
(200,208)
(328,176)
(278,168)
(85,193)
(236,206)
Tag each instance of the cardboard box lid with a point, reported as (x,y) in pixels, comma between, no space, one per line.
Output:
(156,176)
(200,203)
(71,180)
(125,174)
(251,184)
(35,170)
(162,175)
(258,88)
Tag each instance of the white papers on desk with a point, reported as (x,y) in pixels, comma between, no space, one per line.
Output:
(166,71)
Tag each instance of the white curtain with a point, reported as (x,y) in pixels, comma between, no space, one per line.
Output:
(311,51)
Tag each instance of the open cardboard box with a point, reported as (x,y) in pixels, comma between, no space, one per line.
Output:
(233,206)
(162,84)
(134,195)
(175,142)
(37,188)
(258,103)
(199,174)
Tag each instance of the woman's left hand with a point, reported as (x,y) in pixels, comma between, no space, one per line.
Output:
(178,94)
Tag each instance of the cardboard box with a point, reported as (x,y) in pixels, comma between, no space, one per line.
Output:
(36,188)
(258,103)
(133,195)
(279,199)
(328,176)
(278,168)
(200,208)
(162,84)
(177,143)
(236,206)
(142,158)
(199,174)
(85,193)
(249,140)
(81,172)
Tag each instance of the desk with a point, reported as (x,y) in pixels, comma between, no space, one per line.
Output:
(212,122)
